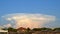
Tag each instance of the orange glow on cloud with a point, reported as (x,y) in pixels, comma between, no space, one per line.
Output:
(30,20)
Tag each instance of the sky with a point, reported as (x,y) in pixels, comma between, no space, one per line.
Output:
(12,8)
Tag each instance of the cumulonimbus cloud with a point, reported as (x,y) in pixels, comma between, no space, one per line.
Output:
(29,20)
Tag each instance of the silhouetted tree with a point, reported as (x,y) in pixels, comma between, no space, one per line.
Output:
(10,29)
(56,29)
(45,29)
(28,29)
(42,29)
(36,29)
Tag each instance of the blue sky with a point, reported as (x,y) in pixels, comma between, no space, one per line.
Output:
(30,6)
(48,7)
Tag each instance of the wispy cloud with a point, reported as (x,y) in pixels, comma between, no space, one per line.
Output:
(29,20)
(7,25)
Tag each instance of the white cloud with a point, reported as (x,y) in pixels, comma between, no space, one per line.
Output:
(29,20)
(7,25)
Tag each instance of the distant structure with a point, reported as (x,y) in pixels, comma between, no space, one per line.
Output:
(21,29)
(3,30)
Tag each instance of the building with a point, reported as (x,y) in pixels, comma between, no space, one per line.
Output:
(3,31)
(21,30)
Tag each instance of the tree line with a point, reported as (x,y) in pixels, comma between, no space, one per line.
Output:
(34,29)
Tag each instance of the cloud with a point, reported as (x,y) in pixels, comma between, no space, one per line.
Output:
(7,25)
(29,20)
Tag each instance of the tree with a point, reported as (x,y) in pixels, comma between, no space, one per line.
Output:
(42,29)
(45,29)
(28,29)
(56,29)
(36,29)
(10,29)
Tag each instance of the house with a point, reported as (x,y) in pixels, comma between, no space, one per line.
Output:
(21,29)
(3,31)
